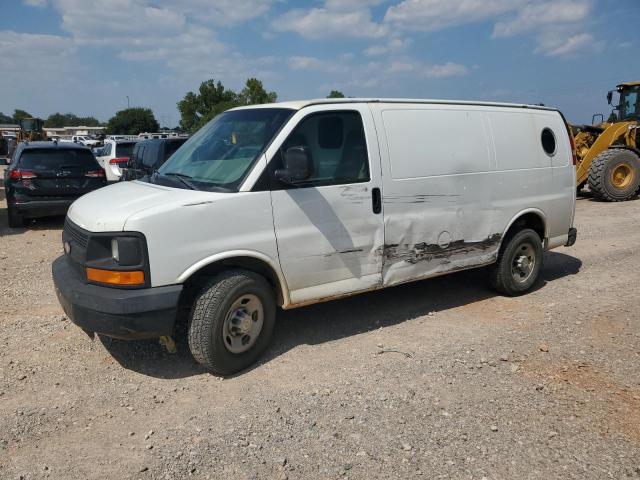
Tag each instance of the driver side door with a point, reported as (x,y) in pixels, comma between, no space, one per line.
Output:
(329,227)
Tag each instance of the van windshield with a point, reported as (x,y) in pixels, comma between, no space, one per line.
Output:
(221,153)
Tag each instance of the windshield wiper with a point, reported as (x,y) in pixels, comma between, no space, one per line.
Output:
(182,177)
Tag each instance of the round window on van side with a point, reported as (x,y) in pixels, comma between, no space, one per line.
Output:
(548,141)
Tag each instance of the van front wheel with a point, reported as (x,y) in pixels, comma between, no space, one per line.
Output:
(231,321)
(519,263)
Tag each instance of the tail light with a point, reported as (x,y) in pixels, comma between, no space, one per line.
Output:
(119,161)
(21,174)
(572,142)
(95,173)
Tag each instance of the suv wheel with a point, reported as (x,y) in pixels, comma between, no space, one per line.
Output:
(15,219)
(232,321)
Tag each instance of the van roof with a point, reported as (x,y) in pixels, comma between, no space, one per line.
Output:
(299,104)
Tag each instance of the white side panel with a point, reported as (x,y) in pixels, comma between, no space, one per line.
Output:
(430,142)
(560,216)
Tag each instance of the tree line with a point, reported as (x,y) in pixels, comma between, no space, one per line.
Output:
(55,120)
(212,98)
(196,109)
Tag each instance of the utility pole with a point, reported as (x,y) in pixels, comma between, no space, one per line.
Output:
(128,102)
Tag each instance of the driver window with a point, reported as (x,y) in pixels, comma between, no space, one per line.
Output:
(336,143)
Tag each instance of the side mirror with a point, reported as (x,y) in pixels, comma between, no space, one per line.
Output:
(298,166)
(609,96)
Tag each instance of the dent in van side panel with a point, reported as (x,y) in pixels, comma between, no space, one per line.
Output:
(436,196)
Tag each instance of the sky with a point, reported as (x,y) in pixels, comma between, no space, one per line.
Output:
(87,56)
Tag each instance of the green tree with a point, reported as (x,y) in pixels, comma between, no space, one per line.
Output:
(213,98)
(335,94)
(254,93)
(613,118)
(20,114)
(5,118)
(132,121)
(58,120)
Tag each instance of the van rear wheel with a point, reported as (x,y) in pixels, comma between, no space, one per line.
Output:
(519,263)
(231,321)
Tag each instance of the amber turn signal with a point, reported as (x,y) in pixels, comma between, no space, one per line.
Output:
(114,277)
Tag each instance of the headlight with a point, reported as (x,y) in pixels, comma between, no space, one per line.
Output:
(117,259)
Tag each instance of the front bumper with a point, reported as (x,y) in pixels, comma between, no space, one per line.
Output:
(113,312)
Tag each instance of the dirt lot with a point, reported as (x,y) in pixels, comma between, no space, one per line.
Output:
(542,386)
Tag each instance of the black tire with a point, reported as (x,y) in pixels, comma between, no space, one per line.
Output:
(208,317)
(15,219)
(601,175)
(502,272)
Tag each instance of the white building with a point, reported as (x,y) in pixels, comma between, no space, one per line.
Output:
(70,131)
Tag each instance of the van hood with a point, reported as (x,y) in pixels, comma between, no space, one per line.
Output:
(108,209)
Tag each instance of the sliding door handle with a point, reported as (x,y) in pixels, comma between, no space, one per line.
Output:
(376,200)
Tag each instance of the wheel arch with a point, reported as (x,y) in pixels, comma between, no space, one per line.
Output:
(532,218)
(253,261)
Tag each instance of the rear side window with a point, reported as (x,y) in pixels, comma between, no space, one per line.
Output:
(124,149)
(150,154)
(171,147)
(548,140)
(106,150)
(136,156)
(50,159)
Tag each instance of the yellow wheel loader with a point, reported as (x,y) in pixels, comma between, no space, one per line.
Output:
(31,130)
(608,153)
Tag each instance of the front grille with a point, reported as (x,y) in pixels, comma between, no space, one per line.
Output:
(74,233)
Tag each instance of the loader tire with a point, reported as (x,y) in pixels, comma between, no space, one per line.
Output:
(614,175)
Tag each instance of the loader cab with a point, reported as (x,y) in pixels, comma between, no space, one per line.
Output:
(31,124)
(629,102)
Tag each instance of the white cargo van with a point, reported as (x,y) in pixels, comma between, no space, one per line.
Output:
(294,203)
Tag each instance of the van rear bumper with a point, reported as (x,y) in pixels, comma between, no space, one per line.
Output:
(113,312)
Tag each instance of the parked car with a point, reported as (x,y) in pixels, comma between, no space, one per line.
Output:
(113,155)
(302,202)
(149,155)
(85,140)
(44,178)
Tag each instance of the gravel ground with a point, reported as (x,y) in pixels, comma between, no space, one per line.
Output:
(436,379)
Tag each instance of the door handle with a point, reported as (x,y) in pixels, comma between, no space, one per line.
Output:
(376,200)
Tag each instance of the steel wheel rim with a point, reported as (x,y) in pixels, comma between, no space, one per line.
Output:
(243,323)
(524,263)
(621,175)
